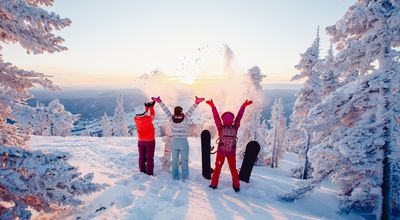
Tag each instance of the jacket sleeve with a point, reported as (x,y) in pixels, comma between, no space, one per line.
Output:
(189,112)
(239,116)
(217,119)
(152,113)
(168,114)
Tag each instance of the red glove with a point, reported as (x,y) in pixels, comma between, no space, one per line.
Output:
(156,99)
(210,103)
(198,100)
(247,103)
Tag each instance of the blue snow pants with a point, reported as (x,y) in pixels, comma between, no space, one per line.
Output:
(180,147)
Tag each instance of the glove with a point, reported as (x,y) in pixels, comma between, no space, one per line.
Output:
(210,103)
(198,100)
(247,103)
(156,99)
(150,104)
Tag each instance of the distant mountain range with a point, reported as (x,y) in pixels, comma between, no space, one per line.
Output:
(92,103)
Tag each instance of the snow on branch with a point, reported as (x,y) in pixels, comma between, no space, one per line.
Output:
(39,181)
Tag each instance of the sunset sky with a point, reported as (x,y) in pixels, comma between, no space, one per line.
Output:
(113,42)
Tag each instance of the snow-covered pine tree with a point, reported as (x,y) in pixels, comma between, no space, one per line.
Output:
(61,121)
(261,134)
(120,126)
(253,127)
(31,180)
(34,180)
(24,117)
(52,120)
(329,74)
(282,129)
(299,138)
(106,129)
(351,153)
(277,132)
(362,117)
(86,132)
(41,122)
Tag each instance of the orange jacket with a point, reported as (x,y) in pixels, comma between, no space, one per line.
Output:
(144,125)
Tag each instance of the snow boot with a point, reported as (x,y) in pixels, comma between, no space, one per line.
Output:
(237,189)
(212,187)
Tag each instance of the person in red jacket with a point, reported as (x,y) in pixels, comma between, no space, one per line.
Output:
(227,133)
(146,137)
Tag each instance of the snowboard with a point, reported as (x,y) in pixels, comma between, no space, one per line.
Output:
(250,157)
(205,154)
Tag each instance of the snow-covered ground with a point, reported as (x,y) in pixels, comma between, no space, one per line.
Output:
(133,195)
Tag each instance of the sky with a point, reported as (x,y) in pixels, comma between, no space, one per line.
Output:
(111,43)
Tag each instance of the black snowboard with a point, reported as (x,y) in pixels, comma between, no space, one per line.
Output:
(205,154)
(250,157)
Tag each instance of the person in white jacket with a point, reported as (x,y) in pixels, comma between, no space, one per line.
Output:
(179,122)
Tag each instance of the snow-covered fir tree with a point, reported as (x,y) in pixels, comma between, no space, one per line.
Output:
(106,129)
(61,121)
(120,127)
(40,122)
(261,134)
(329,75)
(24,117)
(299,138)
(277,132)
(362,118)
(253,127)
(52,120)
(86,132)
(31,180)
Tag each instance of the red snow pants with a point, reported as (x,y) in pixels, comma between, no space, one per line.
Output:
(218,166)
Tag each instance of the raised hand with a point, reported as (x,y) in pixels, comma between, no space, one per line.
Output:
(210,103)
(150,104)
(156,99)
(198,100)
(247,103)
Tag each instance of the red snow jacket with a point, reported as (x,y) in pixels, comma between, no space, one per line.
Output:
(144,125)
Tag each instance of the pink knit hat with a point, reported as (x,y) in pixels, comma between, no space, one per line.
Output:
(227,118)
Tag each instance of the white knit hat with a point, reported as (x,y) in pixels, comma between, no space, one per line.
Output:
(140,110)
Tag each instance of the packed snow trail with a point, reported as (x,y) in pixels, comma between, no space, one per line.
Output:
(133,195)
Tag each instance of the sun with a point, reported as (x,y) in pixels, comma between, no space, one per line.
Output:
(188,80)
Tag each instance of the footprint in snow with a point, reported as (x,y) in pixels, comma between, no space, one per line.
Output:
(136,176)
(125,182)
(141,187)
(111,176)
(141,213)
(154,190)
(166,195)
(179,203)
(124,201)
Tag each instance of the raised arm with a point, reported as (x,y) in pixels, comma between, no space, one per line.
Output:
(150,107)
(215,113)
(152,112)
(241,112)
(190,111)
(167,112)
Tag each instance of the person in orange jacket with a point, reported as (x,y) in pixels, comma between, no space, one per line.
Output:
(146,137)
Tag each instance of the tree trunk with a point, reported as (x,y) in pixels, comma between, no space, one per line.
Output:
(307,163)
(386,185)
(274,155)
